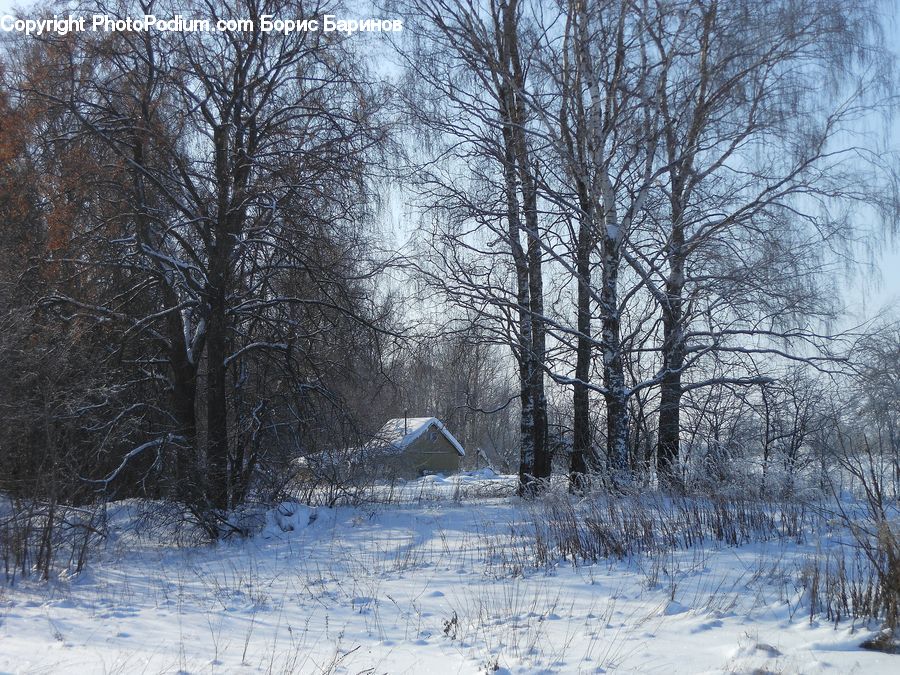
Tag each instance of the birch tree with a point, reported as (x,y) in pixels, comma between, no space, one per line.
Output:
(605,138)
(469,58)
(759,106)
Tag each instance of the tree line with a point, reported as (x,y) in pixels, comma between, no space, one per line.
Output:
(644,200)
(615,208)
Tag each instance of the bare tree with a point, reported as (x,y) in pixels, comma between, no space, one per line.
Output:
(470,58)
(241,190)
(606,138)
(758,176)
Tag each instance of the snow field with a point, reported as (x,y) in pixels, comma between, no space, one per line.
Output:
(439,586)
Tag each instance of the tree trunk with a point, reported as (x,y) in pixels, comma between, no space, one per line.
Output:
(217,398)
(613,367)
(183,377)
(582,452)
(524,345)
(542,458)
(217,327)
(183,398)
(613,236)
(616,395)
(667,450)
(535,462)
(582,459)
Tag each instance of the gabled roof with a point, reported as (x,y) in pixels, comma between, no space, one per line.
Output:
(401,431)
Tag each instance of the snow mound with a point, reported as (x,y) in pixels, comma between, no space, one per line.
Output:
(288,517)
(486,473)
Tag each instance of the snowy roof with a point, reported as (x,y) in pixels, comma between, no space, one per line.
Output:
(402,431)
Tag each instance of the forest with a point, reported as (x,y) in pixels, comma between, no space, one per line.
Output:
(617,246)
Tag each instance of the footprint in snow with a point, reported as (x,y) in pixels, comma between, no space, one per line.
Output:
(707,626)
(673,608)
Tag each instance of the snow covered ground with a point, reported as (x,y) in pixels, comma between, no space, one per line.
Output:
(436,585)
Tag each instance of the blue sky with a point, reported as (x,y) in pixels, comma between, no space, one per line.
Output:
(867,294)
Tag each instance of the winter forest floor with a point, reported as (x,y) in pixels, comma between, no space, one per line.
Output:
(426,585)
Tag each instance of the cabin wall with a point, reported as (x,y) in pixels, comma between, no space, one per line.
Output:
(431,453)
